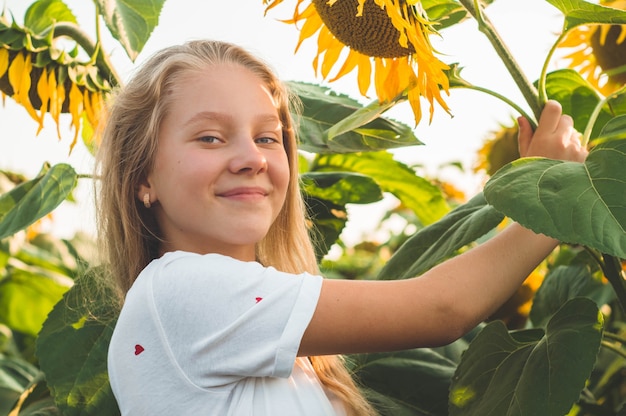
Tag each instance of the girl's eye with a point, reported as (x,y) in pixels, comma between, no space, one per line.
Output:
(208,139)
(266,140)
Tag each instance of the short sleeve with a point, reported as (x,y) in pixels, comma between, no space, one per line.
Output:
(223,319)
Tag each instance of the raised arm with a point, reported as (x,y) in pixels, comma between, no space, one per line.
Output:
(450,299)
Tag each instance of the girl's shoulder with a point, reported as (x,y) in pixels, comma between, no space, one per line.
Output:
(206,265)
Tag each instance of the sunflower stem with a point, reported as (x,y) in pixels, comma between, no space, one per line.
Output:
(74,32)
(596,113)
(543,93)
(613,348)
(612,270)
(501,97)
(485,26)
(615,337)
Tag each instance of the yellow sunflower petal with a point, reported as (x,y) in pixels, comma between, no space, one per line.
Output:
(76,110)
(312,24)
(57,98)
(622,35)
(97,108)
(379,77)
(44,95)
(16,71)
(414,100)
(330,57)
(364,74)
(4,61)
(348,65)
(87,96)
(392,80)
(23,82)
(359,9)
(271,4)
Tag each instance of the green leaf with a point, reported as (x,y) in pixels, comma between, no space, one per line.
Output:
(446,13)
(34,199)
(42,14)
(329,221)
(580,12)
(335,123)
(26,298)
(418,194)
(565,283)
(131,22)
(35,400)
(341,187)
(500,375)
(577,97)
(326,195)
(15,376)
(573,202)
(412,382)
(613,130)
(434,243)
(72,347)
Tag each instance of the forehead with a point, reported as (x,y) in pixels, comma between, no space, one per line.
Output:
(226,87)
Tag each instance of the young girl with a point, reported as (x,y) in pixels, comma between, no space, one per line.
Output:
(225,312)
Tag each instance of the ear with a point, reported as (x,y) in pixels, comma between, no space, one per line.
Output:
(146,188)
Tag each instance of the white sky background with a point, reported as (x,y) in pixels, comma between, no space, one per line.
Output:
(528,27)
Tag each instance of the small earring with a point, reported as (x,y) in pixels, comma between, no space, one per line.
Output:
(146,200)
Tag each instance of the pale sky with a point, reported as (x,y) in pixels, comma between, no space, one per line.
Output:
(528,27)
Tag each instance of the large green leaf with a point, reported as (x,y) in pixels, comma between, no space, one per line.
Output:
(131,22)
(434,243)
(405,383)
(335,123)
(578,203)
(341,187)
(503,375)
(27,296)
(42,14)
(580,12)
(415,192)
(565,283)
(577,97)
(72,348)
(32,200)
(326,195)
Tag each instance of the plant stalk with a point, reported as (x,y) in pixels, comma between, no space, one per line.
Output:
(504,99)
(526,87)
(75,33)
(612,270)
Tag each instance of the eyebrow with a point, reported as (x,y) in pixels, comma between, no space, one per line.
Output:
(223,117)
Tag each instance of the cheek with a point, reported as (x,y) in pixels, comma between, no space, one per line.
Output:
(281,174)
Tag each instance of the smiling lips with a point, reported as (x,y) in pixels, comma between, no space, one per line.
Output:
(244,193)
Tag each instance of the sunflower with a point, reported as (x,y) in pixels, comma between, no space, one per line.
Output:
(387,42)
(599,52)
(499,148)
(46,80)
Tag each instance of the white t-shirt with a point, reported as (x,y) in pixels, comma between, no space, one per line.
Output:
(211,335)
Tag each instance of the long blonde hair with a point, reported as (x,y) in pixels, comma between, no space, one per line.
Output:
(129,233)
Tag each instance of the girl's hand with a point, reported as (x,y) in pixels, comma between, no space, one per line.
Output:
(554,138)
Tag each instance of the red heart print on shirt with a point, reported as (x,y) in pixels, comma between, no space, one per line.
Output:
(258,299)
(138,349)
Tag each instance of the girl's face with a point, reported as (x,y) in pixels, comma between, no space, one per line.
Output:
(221,171)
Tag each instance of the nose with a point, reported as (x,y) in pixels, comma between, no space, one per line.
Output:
(247,158)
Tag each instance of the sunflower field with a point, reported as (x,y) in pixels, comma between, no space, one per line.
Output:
(558,347)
